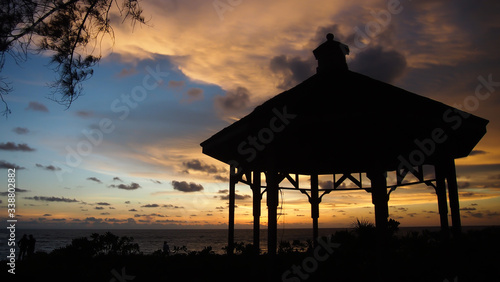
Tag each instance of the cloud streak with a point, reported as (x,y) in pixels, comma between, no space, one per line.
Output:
(52,199)
(11,146)
(131,186)
(198,165)
(17,190)
(21,130)
(37,107)
(48,167)
(95,179)
(7,165)
(183,186)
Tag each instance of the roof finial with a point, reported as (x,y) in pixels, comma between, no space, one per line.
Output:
(331,55)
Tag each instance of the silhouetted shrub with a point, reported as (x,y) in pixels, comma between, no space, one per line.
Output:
(105,244)
(393,226)
(285,247)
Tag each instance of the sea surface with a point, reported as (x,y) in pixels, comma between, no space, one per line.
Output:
(150,240)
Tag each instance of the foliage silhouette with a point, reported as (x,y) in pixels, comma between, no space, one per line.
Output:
(100,244)
(67,29)
(415,256)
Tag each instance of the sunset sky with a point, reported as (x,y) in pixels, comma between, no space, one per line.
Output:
(126,154)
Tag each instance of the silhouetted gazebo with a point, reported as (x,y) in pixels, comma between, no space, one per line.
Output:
(345,124)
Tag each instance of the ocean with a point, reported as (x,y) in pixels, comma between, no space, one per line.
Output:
(150,240)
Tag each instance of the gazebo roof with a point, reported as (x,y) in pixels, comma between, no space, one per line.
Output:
(340,121)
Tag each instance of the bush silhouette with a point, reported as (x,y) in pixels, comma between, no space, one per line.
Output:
(100,244)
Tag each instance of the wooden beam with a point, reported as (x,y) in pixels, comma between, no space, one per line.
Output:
(453,197)
(256,209)
(233,179)
(380,199)
(294,182)
(272,179)
(314,200)
(440,188)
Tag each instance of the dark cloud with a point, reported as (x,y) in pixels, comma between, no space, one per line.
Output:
(117,179)
(463,184)
(292,70)
(155,181)
(169,221)
(221,178)
(236,196)
(17,190)
(11,146)
(200,166)
(93,219)
(491,214)
(21,130)
(7,165)
(48,167)
(113,220)
(476,214)
(103,204)
(132,210)
(329,185)
(51,199)
(127,72)
(225,191)
(95,179)
(150,206)
(99,208)
(174,83)
(467,209)
(132,186)
(428,211)
(127,202)
(379,64)
(58,219)
(467,194)
(183,186)
(194,94)
(170,206)
(234,100)
(477,152)
(35,106)
(326,184)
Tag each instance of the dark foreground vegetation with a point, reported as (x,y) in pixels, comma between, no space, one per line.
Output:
(423,256)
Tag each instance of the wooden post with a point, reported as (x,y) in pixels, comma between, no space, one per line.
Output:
(272,211)
(256,185)
(453,197)
(314,200)
(232,192)
(380,199)
(442,201)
